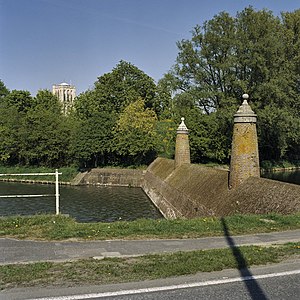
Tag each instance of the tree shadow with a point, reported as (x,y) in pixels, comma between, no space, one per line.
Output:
(254,289)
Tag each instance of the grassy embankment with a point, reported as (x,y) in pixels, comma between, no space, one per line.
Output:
(51,227)
(112,270)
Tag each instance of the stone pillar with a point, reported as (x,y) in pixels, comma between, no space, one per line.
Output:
(244,152)
(182,147)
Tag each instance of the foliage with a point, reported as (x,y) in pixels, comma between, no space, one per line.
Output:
(3,90)
(253,52)
(34,132)
(92,139)
(124,85)
(22,100)
(135,135)
(166,132)
(104,128)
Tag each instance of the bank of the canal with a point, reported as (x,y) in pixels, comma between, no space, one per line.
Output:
(99,198)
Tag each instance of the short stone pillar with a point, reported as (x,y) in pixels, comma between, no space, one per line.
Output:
(244,152)
(182,147)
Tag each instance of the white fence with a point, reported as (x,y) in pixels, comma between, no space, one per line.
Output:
(43,195)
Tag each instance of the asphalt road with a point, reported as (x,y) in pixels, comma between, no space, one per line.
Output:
(23,251)
(278,281)
(284,287)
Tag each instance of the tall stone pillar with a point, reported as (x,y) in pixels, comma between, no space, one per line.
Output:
(244,152)
(182,147)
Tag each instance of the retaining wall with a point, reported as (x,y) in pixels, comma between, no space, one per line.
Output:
(192,191)
(112,177)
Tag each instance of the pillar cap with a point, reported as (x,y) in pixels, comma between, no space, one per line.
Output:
(182,127)
(245,114)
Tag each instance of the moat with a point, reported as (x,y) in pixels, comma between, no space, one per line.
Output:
(93,203)
(84,203)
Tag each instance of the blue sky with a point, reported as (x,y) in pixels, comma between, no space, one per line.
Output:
(43,42)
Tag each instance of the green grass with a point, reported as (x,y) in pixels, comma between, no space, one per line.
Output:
(68,173)
(112,270)
(51,227)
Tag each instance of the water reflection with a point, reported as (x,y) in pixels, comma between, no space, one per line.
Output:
(288,176)
(84,203)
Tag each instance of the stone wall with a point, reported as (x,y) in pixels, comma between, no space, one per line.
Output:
(112,177)
(192,191)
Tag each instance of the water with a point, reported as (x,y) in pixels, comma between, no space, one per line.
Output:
(84,203)
(291,176)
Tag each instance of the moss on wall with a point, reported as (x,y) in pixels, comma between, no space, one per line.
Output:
(191,191)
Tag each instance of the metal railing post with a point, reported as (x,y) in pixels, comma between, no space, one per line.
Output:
(56,192)
(31,196)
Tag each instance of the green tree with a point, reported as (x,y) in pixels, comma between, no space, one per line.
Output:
(253,52)
(3,90)
(291,22)
(92,139)
(123,85)
(135,134)
(44,99)
(10,126)
(22,100)
(44,138)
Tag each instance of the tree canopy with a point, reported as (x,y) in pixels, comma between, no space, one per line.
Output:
(253,52)
(126,118)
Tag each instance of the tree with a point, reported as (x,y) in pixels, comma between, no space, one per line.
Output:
(44,99)
(135,134)
(3,90)
(124,85)
(10,126)
(44,138)
(22,100)
(253,52)
(92,139)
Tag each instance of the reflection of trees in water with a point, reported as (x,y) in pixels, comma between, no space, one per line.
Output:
(291,177)
(85,203)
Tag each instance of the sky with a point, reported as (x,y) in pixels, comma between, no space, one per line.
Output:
(46,42)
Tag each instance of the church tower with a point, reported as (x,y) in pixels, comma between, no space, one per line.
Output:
(65,93)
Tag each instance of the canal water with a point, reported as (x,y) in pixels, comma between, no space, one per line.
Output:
(289,176)
(84,203)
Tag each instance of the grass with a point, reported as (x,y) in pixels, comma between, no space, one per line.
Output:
(112,270)
(68,173)
(51,227)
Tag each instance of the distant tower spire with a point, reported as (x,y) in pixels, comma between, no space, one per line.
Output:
(244,152)
(182,147)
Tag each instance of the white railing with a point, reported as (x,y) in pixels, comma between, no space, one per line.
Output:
(43,195)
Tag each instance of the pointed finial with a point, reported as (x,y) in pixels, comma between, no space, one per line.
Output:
(182,127)
(245,114)
(245,97)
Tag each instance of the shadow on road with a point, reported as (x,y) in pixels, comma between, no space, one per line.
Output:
(255,291)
